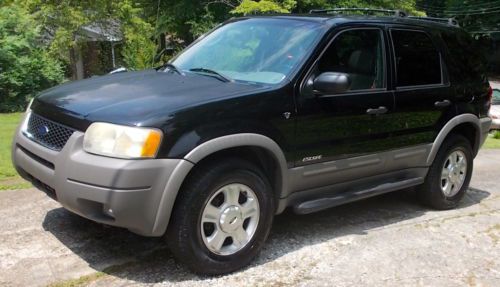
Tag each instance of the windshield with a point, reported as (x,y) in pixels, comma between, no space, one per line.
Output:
(253,50)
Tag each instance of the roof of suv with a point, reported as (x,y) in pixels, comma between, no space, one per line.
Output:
(334,20)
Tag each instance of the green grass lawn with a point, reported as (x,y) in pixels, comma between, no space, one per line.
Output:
(492,143)
(9,179)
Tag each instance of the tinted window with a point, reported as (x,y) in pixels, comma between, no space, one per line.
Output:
(358,53)
(468,63)
(417,60)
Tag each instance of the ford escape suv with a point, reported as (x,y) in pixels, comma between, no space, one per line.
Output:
(259,115)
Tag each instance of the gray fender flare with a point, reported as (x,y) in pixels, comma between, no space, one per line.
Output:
(461,119)
(200,152)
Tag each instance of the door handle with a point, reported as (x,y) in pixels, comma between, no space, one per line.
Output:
(378,111)
(442,104)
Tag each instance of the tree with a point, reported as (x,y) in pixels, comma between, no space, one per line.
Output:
(265,6)
(186,20)
(25,67)
(478,16)
(63,18)
(408,6)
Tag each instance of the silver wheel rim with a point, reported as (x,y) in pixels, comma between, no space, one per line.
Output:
(230,219)
(453,173)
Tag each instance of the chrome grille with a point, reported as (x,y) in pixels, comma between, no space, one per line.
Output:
(47,133)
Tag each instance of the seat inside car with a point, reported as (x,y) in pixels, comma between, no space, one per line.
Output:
(361,69)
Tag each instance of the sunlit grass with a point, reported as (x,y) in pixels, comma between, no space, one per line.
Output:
(9,179)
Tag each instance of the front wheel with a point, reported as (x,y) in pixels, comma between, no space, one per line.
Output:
(222,217)
(449,175)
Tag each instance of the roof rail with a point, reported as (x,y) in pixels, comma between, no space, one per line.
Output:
(450,21)
(397,13)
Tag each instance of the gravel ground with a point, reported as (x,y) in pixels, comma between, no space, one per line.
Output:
(389,240)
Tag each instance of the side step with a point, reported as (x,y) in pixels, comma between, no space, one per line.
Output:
(324,203)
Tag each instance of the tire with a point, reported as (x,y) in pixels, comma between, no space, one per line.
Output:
(188,237)
(435,192)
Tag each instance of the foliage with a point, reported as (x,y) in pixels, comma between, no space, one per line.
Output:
(139,49)
(481,16)
(64,18)
(203,24)
(25,67)
(496,135)
(264,6)
(404,5)
(9,179)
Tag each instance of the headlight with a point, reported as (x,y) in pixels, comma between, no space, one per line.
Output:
(122,141)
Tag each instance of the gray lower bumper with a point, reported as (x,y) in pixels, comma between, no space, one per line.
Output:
(124,193)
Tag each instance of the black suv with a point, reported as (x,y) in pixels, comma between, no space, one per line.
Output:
(263,113)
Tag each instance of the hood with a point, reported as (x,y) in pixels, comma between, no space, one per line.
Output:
(133,97)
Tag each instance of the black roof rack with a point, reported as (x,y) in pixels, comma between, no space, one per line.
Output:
(397,13)
(450,21)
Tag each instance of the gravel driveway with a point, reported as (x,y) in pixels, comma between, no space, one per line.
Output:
(388,240)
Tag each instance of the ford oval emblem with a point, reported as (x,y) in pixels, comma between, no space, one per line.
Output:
(43,130)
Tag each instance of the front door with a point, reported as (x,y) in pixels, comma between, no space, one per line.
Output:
(351,123)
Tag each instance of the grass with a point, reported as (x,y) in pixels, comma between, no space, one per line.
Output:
(9,179)
(492,142)
(82,281)
(496,135)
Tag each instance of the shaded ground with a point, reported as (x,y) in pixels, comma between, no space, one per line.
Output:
(388,240)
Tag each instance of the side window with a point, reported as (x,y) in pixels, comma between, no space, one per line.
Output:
(418,62)
(359,54)
(467,57)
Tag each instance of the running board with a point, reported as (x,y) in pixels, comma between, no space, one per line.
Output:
(324,203)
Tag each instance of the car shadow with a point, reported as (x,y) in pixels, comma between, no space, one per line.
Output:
(120,253)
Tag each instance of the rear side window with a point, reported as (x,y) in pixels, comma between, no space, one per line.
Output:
(468,63)
(418,62)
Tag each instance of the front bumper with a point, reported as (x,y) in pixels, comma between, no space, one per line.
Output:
(124,193)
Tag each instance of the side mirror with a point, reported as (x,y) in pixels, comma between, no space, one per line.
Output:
(332,83)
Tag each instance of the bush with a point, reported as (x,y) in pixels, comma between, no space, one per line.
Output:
(25,67)
(496,135)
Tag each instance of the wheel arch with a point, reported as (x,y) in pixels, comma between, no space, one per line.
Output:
(468,125)
(260,144)
(217,146)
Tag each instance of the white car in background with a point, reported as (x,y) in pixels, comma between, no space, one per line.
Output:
(495,110)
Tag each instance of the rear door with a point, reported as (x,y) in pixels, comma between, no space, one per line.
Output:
(423,96)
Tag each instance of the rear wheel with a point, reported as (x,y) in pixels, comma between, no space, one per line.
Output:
(222,217)
(449,176)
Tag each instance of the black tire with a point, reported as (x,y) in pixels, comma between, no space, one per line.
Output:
(184,233)
(430,193)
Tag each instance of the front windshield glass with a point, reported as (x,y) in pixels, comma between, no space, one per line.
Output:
(253,50)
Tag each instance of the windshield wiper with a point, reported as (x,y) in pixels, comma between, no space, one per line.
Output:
(172,68)
(212,73)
